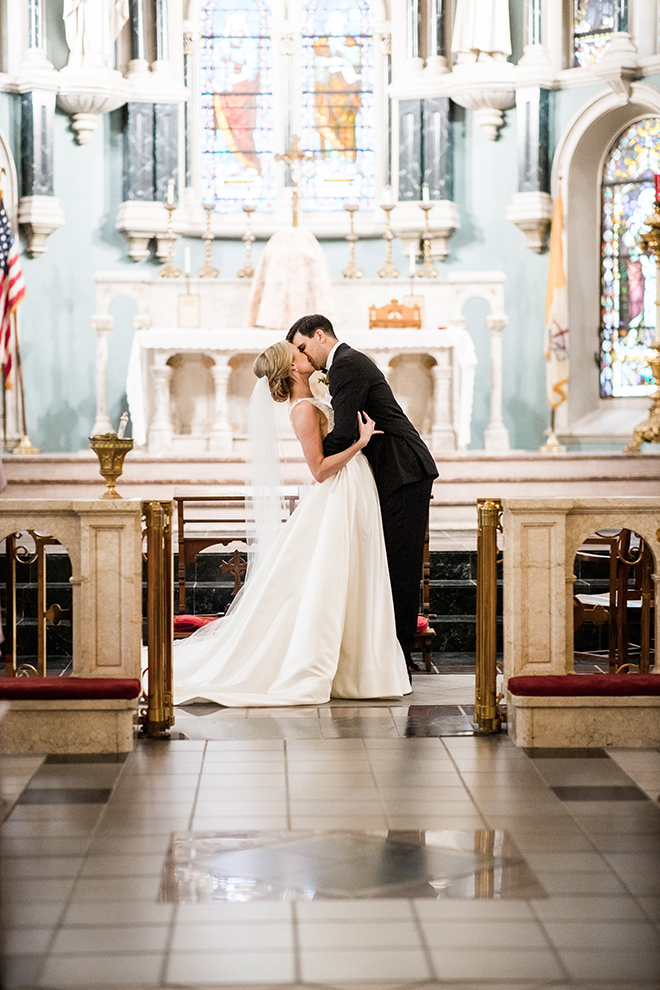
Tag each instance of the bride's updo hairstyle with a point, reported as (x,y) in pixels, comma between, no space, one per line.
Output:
(275,364)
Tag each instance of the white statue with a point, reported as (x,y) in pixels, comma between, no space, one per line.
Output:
(481,30)
(92,27)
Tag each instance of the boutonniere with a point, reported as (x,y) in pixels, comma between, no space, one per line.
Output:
(323,380)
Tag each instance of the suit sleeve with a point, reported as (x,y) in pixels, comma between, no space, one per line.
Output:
(349,393)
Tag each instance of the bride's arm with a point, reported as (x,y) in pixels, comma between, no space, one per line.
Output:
(306,420)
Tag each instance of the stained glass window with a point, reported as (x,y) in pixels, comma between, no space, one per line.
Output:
(237,105)
(593,26)
(628,276)
(338,105)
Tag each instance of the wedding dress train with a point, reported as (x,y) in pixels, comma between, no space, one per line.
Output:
(316,618)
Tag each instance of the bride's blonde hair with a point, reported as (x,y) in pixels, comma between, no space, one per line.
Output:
(275,364)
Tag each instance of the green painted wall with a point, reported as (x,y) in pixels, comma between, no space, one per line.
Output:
(59,346)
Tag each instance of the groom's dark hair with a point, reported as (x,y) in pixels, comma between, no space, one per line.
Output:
(308,325)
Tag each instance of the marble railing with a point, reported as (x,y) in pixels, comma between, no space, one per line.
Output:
(541,539)
(104,542)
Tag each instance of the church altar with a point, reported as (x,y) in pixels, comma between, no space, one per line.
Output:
(190,378)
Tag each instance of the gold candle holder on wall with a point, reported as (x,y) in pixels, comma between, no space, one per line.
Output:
(168,270)
(111,451)
(207,270)
(351,270)
(247,271)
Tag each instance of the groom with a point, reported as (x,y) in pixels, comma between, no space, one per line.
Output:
(401,462)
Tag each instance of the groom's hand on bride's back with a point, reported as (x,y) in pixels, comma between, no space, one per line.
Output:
(367,428)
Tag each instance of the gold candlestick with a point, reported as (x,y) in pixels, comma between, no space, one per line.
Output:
(111,451)
(168,270)
(388,270)
(351,270)
(427,270)
(247,271)
(207,270)
(649,430)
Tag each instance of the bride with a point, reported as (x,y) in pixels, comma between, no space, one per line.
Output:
(315,619)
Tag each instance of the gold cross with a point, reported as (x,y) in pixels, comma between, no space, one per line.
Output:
(294,157)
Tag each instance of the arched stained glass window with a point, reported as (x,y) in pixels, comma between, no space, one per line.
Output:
(628,276)
(237,105)
(593,26)
(338,105)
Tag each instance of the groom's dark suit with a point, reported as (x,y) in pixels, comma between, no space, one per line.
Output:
(403,469)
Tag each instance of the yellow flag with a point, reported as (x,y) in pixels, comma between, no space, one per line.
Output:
(556,316)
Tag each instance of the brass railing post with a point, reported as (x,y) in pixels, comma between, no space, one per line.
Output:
(10,605)
(160,712)
(486,713)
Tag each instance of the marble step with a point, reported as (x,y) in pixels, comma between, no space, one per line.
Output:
(464,477)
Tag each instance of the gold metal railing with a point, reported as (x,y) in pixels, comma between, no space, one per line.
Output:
(17,553)
(487,715)
(158,714)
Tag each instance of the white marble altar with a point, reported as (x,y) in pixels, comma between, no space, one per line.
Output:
(189,378)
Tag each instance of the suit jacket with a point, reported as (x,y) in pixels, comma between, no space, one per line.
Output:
(398,457)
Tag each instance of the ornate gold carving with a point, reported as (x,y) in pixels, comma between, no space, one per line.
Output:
(395,314)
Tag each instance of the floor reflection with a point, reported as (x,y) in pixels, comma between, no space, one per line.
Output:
(238,867)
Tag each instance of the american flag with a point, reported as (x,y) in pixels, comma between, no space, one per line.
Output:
(12,290)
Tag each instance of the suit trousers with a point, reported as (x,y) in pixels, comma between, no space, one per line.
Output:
(405,514)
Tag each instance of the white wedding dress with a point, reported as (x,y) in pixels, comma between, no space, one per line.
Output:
(315,620)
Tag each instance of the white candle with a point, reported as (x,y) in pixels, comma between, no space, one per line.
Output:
(186,259)
(425,193)
(411,259)
(170,192)
(388,199)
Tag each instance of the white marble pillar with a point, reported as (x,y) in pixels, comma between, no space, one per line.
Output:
(160,428)
(102,325)
(496,435)
(443,434)
(221,433)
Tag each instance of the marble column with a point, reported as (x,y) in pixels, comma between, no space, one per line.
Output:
(139,152)
(37,114)
(410,150)
(39,212)
(221,432)
(496,435)
(443,434)
(437,148)
(103,325)
(412,46)
(160,428)
(36,37)
(533,126)
(162,41)
(166,148)
(137,30)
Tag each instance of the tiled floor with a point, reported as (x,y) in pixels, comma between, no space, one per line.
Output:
(90,899)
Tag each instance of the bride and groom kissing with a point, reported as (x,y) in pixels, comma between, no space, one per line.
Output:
(330,609)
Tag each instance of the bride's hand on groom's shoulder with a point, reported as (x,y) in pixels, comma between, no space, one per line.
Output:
(367,428)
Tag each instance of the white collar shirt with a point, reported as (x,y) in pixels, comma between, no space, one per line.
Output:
(331,357)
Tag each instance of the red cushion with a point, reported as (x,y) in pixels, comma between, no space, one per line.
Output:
(188,623)
(584,685)
(422,624)
(67,688)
